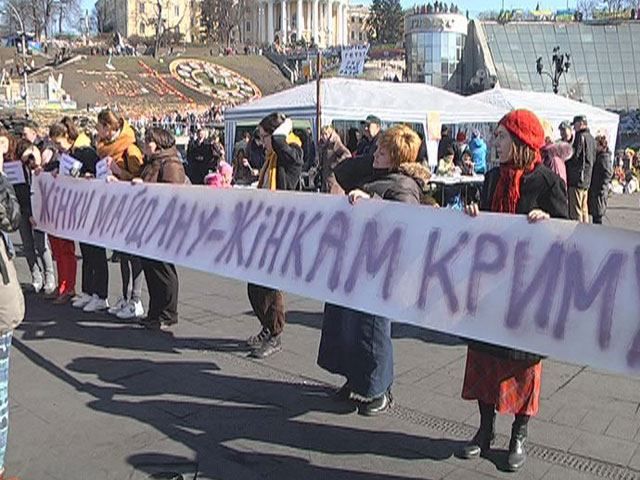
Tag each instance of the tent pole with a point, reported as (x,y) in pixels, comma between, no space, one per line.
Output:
(318,102)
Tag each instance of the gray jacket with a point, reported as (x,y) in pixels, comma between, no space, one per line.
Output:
(11,298)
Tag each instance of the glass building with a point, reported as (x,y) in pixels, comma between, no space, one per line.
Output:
(605,59)
(434,44)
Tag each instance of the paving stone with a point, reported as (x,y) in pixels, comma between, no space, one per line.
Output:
(570,415)
(603,448)
(552,435)
(625,428)
(596,421)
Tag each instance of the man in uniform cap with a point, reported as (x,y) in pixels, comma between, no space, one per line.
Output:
(566,132)
(579,168)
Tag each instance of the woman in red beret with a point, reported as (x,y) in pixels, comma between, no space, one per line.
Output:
(501,379)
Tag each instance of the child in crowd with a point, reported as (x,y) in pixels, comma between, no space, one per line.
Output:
(221,178)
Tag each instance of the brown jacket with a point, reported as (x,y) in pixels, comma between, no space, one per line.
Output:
(124,152)
(164,166)
(332,152)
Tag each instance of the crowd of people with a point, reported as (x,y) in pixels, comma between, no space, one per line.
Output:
(536,176)
(181,123)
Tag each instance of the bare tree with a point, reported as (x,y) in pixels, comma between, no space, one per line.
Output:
(99,18)
(222,17)
(586,7)
(158,19)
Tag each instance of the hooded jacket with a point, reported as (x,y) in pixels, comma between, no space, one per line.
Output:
(554,157)
(164,166)
(478,148)
(124,152)
(406,184)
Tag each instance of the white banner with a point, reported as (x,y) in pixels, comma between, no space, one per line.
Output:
(557,288)
(69,166)
(102,169)
(14,172)
(353,59)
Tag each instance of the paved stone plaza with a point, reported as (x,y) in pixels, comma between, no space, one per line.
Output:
(96,398)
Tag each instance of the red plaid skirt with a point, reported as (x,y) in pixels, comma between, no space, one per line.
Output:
(513,386)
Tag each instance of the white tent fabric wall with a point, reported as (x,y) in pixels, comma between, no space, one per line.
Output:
(352,99)
(554,108)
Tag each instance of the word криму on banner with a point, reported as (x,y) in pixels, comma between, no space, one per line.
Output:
(556,288)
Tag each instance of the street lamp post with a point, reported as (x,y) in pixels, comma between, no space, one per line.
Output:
(24,55)
(561,64)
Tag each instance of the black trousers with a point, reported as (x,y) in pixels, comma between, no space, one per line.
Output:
(95,270)
(162,282)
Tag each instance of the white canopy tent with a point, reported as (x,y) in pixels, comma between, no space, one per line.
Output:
(351,99)
(554,108)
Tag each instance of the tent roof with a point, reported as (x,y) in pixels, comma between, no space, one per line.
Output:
(350,99)
(547,105)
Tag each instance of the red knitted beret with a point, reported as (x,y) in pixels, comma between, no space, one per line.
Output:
(525,126)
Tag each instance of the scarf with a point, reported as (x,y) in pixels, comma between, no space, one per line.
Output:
(268,176)
(507,193)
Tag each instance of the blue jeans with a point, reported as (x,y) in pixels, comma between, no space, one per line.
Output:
(5,347)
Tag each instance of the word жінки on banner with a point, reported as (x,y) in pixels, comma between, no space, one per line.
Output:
(557,288)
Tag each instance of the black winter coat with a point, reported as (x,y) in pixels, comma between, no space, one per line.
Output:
(580,165)
(404,185)
(600,179)
(541,189)
(290,160)
(201,153)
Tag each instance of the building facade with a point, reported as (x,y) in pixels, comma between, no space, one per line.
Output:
(434,43)
(357,24)
(138,17)
(325,22)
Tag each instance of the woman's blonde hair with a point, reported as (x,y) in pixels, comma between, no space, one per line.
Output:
(402,144)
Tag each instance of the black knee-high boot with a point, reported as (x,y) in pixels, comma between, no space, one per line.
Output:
(481,441)
(517,452)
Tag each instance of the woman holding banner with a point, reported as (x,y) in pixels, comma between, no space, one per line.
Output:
(281,171)
(117,143)
(162,165)
(35,244)
(503,379)
(354,344)
(95,272)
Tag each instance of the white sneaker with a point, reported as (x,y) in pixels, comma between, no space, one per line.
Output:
(131,310)
(81,300)
(119,305)
(96,304)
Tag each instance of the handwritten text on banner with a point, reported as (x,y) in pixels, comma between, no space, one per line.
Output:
(558,288)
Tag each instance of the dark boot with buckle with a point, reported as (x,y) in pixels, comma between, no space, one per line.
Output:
(481,441)
(517,453)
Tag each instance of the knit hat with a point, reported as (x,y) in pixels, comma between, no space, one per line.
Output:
(525,126)
(461,136)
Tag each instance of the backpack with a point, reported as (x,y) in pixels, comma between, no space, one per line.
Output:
(9,206)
